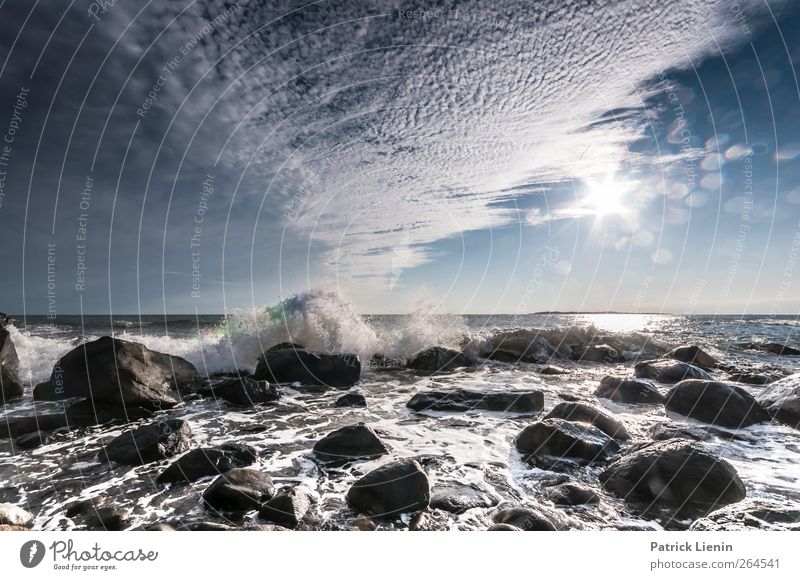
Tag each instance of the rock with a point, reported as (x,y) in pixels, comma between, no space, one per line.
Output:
(286,346)
(525,519)
(109,519)
(669,372)
(351,442)
(715,403)
(308,368)
(781,400)
(11,515)
(208,461)
(149,443)
(239,490)
(573,494)
(512,357)
(693,355)
(552,442)
(585,413)
(666,431)
(120,372)
(287,508)
(10,385)
(503,528)
(456,498)
(30,440)
(351,400)
(365,523)
(7,528)
(246,392)
(681,477)
(553,370)
(438,359)
(759,379)
(598,353)
(635,391)
(460,400)
(773,347)
(430,520)
(390,490)
(381,362)
(752,515)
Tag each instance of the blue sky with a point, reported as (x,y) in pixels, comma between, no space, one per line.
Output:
(491,156)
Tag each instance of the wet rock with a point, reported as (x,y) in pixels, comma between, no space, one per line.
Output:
(380,362)
(7,528)
(148,443)
(456,498)
(120,372)
(573,494)
(759,379)
(598,353)
(752,515)
(553,370)
(351,442)
(365,523)
(715,403)
(773,347)
(246,392)
(525,519)
(390,490)
(12,515)
(107,518)
(351,400)
(207,461)
(781,400)
(460,400)
(308,368)
(10,384)
(693,355)
(286,346)
(669,372)
(287,508)
(681,477)
(666,431)
(512,357)
(636,391)
(30,441)
(551,442)
(503,528)
(585,413)
(438,359)
(239,490)
(430,520)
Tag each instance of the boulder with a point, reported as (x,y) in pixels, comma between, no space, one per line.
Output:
(286,346)
(119,372)
(246,392)
(10,385)
(573,494)
(459,400)
(553,370)
(665,431)
(763,515)
(438,359)
(239,490)
(148,443)
(680,477)
(774,348)
(96,514)
(554,442)
(290,365)
(585,413)
(357,441)
(525,519)
(693,355)
(669,372)
(11,515)
(512,357)
(597,353)
(430,520)
(781,400)
(636,391)
(456,498)
(715,403)
(390,490)
(287,508)
(351,400)
(759,379)
(207,461)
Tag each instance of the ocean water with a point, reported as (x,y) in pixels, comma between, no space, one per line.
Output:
(474,448)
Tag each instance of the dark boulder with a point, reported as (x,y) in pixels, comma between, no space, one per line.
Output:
(573,494)
(506,356)
(553,370)
(636,391)
(774,348)
(10,385)
(669,372)
(716,403)
(246,392)
(456,498)
(390,490)
(148,443)
(308,368)
(351,400)
(287,508)
(762,515)
(666,431)
(680,477)
(525,519)
(96,514)
(438,359)
(597,353)
(239,490)
(781,399)
(585,413)
(120,372)
(207,461)
(351,442)
(554,442)
(759,379)
(693,355)
(459,400)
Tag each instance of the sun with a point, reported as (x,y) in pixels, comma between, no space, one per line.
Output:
(606,196)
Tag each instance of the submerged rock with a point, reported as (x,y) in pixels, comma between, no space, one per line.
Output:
(246,392)
(96,514)
(554,441)
(762,515)
(456,498)
(573,494)
(525,519)
(666,431)
(503,528)
(693,355)
(715,403)
(598,353)
(681,477)
(10,385)
(351,400)
(460,400)
(12,515)
(781,400)
(352,442)
(207,461)
(669,372)
(636,391)
(291,365)
(148,443)
(553,370)
(239,490)
(438,359)
(773,347)
(390,490)
(287,508)
(585,413)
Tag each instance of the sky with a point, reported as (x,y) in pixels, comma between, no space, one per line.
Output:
(478,157)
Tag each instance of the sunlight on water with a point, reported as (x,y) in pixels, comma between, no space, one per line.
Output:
(621,322)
